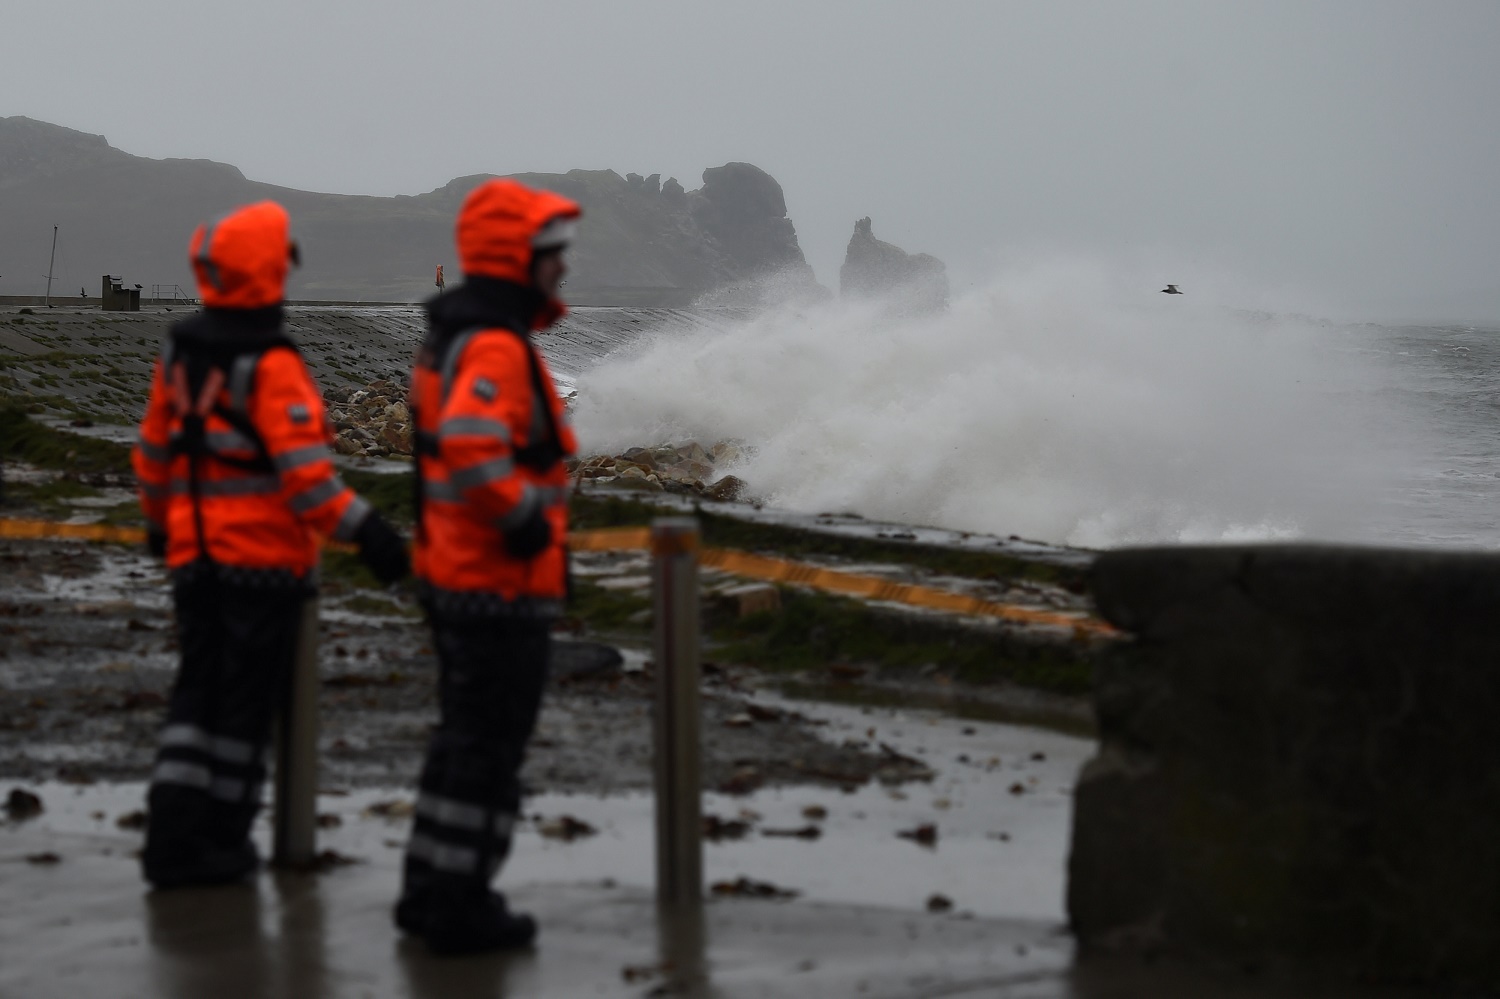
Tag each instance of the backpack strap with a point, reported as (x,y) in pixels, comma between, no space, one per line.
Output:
(197,378)
(237,374)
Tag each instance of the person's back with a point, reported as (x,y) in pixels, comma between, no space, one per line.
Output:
(238,486)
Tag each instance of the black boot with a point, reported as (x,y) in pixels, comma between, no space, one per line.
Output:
(206,866)
(476,925)
(411,913)
(181,843)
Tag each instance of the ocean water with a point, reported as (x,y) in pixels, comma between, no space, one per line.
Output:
(1062,404)
(1438,396)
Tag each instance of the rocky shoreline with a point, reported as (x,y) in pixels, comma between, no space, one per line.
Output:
(375,422)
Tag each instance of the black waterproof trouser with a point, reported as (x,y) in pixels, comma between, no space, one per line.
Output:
(491,675)
(237,642)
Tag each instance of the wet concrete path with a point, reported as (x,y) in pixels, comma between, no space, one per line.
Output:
(83,924)
(859,925)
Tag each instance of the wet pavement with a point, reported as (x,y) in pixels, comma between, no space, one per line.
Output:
(297,935)
(858,925)
(998,803)
(977,911)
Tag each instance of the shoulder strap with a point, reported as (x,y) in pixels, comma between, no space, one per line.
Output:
(448,363)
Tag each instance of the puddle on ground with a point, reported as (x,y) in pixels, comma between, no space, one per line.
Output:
(1000,802)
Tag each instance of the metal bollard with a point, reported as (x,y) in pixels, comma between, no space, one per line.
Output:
(679,804)
(295,842)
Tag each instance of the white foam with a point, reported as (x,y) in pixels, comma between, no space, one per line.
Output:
(1065,403)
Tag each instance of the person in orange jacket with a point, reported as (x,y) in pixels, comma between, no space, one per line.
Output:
(238,486)
(492,570)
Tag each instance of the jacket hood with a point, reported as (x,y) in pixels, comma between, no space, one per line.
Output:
(240,259)
(500,224)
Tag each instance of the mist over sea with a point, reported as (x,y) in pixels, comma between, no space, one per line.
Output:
(1063,404)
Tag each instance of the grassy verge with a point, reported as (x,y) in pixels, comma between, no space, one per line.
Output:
(812,631)
(795,542)
(23,439)
(390,493)
(48,499)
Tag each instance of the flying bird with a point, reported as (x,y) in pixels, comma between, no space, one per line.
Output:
(1170,289)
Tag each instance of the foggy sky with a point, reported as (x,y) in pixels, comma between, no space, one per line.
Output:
(1334,156)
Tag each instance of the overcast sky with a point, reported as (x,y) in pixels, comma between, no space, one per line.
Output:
(1337,155)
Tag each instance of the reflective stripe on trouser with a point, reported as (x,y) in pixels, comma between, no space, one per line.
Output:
(491,675)
(237,645)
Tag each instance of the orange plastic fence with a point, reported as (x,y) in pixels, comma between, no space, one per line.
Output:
(728,560)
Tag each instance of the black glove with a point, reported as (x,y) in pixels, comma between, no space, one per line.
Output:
(382,549)
(156,542)
(530,538)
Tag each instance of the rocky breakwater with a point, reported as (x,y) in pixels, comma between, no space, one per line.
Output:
(373,422)
(376,422)
(687,468)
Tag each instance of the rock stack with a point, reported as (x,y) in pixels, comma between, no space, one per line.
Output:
(873,268)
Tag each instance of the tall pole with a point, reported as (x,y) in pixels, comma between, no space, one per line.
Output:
(679,788)
(50,262)
(294,829)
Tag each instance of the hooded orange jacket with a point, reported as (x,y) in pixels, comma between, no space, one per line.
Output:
(491,429)
(233,458)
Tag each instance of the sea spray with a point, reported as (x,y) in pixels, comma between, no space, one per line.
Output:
(1059,403)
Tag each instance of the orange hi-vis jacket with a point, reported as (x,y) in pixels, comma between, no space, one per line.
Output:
(233,459)
(491,438)
(492,432)
(260,505)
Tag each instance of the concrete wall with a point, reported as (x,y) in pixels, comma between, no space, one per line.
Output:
(1298,762)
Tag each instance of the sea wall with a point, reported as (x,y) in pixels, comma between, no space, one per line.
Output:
(1298,762)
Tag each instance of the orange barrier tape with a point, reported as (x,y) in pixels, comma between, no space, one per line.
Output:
(875,588)
(737,562)
(81,532)
(610,539)
(35,529)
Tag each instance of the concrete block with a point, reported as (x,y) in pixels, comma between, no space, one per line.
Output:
(1297,762)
